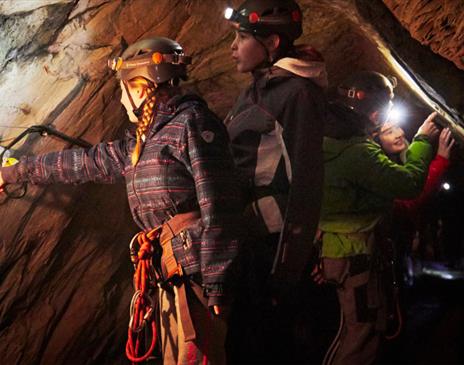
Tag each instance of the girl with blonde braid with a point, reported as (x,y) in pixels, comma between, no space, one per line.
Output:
(180,185)
(147,112)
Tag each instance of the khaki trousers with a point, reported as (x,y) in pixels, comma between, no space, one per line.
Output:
(208,347)
(362,305)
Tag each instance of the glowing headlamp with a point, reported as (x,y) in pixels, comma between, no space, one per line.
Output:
(229,13)
(385,113)
(253,18)
(234,16)
(397,114)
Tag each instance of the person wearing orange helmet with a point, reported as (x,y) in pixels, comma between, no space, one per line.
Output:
(181,189)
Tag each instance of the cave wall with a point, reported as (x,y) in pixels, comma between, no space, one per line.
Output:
(442,78)
(65,273)
(436,24)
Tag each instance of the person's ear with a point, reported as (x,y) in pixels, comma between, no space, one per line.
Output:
(374,117)
(273,43)
(141,92)
(137,91)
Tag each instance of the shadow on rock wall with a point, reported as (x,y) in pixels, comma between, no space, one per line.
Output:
(64,263)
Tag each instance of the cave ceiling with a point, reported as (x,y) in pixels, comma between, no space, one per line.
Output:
(64,263)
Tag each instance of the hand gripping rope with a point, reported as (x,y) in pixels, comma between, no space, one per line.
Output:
(142,308)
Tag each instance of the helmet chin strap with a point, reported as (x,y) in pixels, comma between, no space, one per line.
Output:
(136,110)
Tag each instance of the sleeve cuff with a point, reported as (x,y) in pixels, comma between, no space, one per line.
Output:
(421,137)
(10,174)
(442,160)
(215,294)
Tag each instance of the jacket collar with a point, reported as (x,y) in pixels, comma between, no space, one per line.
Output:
(304,62)
(168,110)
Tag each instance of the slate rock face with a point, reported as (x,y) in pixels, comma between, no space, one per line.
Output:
(436,24)
(64,266)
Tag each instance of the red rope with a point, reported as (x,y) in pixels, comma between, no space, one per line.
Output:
(142,306)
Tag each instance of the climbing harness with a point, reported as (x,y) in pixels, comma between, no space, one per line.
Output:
(156,267)
(142,306)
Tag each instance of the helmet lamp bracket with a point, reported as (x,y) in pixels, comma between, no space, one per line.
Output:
(150,59)
(352,93)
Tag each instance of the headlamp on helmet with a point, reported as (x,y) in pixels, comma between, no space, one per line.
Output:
(231,14)
(156,59)
(149,59)
(367,92)
(266,17)
(237,17)
(385,113)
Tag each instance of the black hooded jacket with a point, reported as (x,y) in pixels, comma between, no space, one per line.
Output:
(276,130)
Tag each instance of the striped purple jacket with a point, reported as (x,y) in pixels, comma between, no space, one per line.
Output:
(185,165)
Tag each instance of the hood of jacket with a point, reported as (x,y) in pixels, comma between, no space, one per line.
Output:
(343,129)
(333,148)
(344,123)
(306,62)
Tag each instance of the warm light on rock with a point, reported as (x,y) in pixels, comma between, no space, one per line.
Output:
(64,263)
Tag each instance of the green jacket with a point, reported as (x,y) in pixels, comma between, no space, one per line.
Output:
(360,184)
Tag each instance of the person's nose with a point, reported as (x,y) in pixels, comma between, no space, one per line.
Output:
(399,133)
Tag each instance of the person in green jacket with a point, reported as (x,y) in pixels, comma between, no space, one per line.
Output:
(360,184)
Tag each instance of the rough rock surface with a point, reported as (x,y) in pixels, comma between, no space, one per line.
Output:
(440,77)
(64,266)
(437,24)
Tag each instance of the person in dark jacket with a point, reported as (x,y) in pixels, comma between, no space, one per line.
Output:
(276,129)
(360,185)
(179,175)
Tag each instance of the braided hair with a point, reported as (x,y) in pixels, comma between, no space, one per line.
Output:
(147,116)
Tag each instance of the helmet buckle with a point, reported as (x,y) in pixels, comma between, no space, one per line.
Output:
(352,93)
(175,59)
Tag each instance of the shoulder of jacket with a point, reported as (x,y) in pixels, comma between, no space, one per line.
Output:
(198,116)
(189,106)
(298,84)
(368,149)
(181,104)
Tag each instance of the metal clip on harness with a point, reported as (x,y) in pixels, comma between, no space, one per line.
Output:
(142,326)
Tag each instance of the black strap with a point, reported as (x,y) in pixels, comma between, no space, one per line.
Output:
(137,111)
